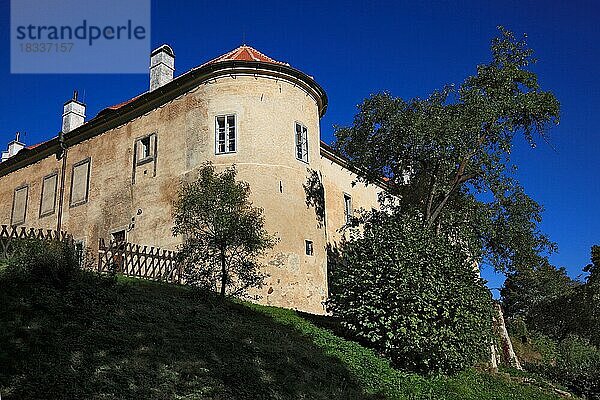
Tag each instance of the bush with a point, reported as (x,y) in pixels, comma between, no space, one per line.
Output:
(531,347)
(579,365)
(53,264)
(576,365)
(413,295)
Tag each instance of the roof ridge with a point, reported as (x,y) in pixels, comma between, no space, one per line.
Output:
(251,52)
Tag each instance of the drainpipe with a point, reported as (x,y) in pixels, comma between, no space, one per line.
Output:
(62,154)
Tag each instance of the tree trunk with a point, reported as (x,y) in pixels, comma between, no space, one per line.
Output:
(223,273)
(494,358)
(507,348)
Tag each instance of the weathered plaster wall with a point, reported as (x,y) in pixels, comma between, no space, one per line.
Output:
(266,111)
(337,182)
(31,175)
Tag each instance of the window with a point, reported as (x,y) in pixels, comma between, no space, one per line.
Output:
(301,142)
(225,134)
(118,236)
(19,209)
(80,183)
(309,248)
(48,200)
(348,211)
(145,149)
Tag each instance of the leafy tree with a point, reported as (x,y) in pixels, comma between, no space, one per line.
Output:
(589,300)
(447,157)
(526,290)
(411,294)
(593,269)
(551,303)
(223,232)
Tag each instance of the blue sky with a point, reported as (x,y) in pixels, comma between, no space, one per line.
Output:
(357,48)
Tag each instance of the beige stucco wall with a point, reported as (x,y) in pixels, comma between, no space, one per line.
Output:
(338,181)
(31,175)
(266,110)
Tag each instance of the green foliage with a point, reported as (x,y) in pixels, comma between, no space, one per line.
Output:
(441,156)
(588,300)
(412,295)
(142,340)
(223,232)
(532,347)
(556,321)
(315,195)
(593,269)
(551,303)
(47,263)
(526,293)
(579,366)
(576,364)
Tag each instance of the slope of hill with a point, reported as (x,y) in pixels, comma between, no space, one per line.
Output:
(129,339)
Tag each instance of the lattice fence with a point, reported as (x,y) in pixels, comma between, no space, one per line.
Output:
(11,236)
(138,261)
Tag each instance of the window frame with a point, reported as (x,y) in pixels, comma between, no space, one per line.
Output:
(309,247)
(118,230)
(227,139)
(305,146)
(12,214)
(44,179)
(151,154)
(87,189)
(348,210)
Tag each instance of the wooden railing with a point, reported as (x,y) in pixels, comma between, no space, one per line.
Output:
(11,236)
(138,261)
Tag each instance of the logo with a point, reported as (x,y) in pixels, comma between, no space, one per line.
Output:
(80,36)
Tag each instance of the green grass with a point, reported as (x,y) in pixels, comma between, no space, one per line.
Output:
(141,340)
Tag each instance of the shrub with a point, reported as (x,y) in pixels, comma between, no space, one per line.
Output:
(53,264)
(576,365)
(411,294)
(532,348)
(579,365)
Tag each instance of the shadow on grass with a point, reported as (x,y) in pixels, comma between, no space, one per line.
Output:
(326,322)
(138,340)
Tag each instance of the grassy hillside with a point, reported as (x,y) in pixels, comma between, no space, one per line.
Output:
(141,340)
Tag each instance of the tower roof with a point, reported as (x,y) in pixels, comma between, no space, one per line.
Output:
(245,53)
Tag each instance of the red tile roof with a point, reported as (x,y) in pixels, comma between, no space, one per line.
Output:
(34,146)
(117,106)
(242,53)
(245,53)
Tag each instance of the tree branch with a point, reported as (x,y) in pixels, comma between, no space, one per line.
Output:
(459,178)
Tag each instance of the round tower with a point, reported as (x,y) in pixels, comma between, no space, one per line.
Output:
(263,116)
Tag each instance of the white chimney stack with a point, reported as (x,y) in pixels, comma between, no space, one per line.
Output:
(73,114)
(13,148)
(162,66)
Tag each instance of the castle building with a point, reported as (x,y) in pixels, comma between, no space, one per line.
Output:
(116,175)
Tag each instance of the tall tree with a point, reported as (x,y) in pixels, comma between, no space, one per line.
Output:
(447,157)
(525,293)
(223,232)
(552,303)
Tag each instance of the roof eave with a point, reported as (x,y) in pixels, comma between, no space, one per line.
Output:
(108,119)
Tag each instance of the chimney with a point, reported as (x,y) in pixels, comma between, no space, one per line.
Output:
(13,148)
(73,114)
(162,65)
